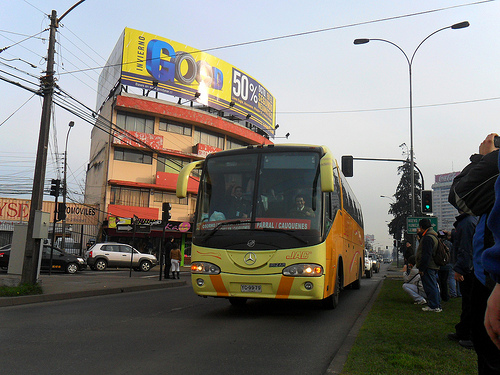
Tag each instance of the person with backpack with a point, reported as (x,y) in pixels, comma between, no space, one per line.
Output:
(412,282)
(428,269)
(473,192)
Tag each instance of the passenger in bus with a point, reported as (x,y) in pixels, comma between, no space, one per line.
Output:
(301,210)
(239,207)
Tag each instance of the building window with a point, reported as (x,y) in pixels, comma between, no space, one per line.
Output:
(133,156)
(171,164)
(175,127)
(210,139)
(125,196)
(231,143)
(163,196)
(135,122)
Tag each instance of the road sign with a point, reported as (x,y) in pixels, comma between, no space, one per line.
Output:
(412,223)
(124,228)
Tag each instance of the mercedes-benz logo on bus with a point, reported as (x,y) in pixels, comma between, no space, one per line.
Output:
(250,259)
(251,243)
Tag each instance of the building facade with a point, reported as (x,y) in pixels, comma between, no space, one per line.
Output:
(443,210)
(140,143)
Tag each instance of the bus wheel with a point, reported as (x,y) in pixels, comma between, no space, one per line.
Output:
(332,300)
(357,283)
(237,301)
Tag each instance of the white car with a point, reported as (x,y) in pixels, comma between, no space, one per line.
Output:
(368,267)
(113,254)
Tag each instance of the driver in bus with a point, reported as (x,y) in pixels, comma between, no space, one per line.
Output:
(300,210)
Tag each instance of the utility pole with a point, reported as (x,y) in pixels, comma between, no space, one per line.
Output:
(32,252)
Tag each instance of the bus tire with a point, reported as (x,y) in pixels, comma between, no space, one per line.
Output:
(357,284)
(238,302)
(332,301)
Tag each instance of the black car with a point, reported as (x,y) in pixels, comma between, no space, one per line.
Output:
(61,260)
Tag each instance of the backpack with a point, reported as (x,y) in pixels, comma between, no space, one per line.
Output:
(441,255)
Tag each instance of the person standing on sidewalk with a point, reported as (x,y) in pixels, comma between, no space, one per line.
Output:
(426,266)
(175,257)
(465,226)
(169,243)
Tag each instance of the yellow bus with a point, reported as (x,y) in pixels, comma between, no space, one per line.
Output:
(276,221)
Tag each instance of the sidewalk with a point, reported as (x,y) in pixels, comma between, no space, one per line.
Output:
(89,283)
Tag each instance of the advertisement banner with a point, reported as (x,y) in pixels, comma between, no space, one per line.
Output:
(154,63)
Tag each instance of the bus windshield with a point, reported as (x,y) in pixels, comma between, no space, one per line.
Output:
(260,192)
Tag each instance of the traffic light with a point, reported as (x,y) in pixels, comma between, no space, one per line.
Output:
(347,165)
(426,200)
(61,211)
(55,187)
(165,215)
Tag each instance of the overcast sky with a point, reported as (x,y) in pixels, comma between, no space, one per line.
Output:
(352,98)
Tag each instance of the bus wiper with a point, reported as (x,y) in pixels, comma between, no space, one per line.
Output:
(285,232)
(211,233)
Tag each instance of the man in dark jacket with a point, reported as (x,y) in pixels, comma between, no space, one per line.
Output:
(465,226)
(473,192)
(426,265)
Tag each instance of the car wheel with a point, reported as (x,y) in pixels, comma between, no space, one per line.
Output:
(237,301)
(71,268)
(369,274)
(100,265)
(145,266)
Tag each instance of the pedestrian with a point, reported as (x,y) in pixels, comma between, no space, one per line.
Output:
(473,192)
(175,257)
(491,261)
(169,243)
(444,272)
(465,226)
(407,252)
(426,265)
(412,282)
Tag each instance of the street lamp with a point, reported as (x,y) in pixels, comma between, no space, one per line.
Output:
(63,240)
(459,25)
(391,198)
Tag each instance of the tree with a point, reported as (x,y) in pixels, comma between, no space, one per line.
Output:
(401,209)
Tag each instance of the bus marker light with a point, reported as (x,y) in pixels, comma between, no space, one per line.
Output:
(308,285)
(200,282)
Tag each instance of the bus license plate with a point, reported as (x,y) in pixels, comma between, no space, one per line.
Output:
(251,288)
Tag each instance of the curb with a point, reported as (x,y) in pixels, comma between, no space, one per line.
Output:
(24,300)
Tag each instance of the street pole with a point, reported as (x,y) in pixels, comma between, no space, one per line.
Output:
(32,251)
(65,186)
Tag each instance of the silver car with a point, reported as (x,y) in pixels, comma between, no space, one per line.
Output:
(114,254)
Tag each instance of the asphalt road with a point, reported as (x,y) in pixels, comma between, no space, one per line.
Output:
(173,331)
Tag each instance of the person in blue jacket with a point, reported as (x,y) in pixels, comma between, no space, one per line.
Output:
(491,263)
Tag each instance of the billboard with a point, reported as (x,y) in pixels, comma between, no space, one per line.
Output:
(158,64)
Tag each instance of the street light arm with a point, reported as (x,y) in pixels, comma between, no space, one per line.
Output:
(398,47)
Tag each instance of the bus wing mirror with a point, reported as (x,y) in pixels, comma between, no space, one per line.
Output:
(183,178)
(326,170)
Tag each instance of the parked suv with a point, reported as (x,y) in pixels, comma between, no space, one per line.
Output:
(113,254)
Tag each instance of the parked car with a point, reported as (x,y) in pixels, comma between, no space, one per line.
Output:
(368,268)
(61,260)
(112,254)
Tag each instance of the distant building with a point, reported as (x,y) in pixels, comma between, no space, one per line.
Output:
(443,210)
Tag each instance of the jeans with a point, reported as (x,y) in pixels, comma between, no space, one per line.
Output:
(429,279)
(413,291)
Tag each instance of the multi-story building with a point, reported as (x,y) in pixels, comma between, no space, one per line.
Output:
(443,210)
(139,143)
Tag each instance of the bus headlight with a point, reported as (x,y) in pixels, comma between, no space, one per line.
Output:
(205,268)
(305,270)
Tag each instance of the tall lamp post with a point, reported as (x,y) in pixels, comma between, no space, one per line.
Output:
(65,185)
(460,25)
